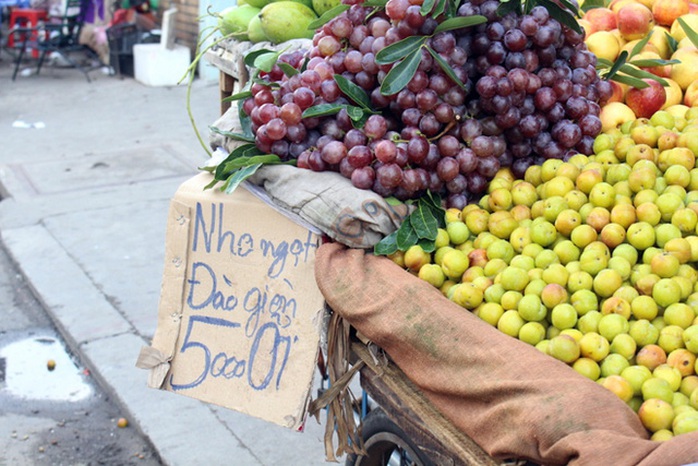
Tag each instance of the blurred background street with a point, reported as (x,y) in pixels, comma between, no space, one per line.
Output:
(87,170)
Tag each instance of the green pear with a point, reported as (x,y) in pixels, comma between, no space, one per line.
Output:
(254,30)
(286,20)
(236,19)
(321,6)
(308,3)
(257,3)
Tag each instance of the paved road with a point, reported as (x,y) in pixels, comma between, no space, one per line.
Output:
(59,416)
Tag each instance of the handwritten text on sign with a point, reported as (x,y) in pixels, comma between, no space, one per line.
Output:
(262,311)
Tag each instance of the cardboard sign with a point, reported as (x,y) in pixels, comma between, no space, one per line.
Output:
(240,314)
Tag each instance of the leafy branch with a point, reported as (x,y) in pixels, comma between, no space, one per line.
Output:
(406,54)
(690,33)
(565,12)
(239,165)
(628,70)
(420,227)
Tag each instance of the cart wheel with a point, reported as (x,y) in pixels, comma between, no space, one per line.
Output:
(386,444)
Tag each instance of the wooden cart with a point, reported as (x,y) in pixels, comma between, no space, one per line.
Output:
(418,424)
(425,428)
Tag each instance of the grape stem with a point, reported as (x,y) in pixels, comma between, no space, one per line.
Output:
(448,128)
(191,71)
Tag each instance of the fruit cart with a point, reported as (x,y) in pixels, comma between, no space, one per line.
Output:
(397,417)
(403,423)
(454,387)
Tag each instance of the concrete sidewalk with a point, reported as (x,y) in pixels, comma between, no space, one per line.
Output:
(86,174)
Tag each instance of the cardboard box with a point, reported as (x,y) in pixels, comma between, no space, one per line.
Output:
(240,315)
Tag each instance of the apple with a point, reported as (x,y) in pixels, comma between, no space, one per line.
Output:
(666,11)
(634,21)
(676,31)
(614,114)
(686,72)
(601,19)
(477,257)
(619,90)
(603,44)
(660,41)
(616,5)
(690,96)
(674,94)
(661,71)
(648,47)
(645,102)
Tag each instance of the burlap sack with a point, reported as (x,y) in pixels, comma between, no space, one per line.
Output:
(511,399)
(354,217)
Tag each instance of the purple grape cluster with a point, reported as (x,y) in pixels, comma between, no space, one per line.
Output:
(536,85)
(521,89)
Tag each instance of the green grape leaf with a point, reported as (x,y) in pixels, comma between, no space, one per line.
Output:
(252,56)
(509,6)
(401,74)
(238,96)
(355,113)
(327,16)
(642,74)
(528,6)
(620,61)
(440,8)
(570,7)
(375,3)
(563,15)
(690,33)
(427,6)
(354,92)
(459,22)
(245,150)
(233,136)
(387,245)
(211,184)
(288,69)
(427,245)
(406,236)
(433,202)
(304,66)
(322,110)
(359,123)
(238,177)
(640,45)
(245,121)
(673,43)
(445,67)
(651,62)
(630,81)
(423,222)
(451,9)
(257,80)
(266,62)
(399,49)
(602,63)
(591,4)
(245,161)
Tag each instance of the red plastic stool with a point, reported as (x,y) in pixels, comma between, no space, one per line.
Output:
(26,17)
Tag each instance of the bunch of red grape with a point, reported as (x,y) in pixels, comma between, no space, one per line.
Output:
(514,91)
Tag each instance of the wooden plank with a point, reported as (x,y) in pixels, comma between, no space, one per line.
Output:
(227,87)
(409,408)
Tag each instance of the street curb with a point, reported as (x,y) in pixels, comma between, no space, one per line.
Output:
(78,313)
